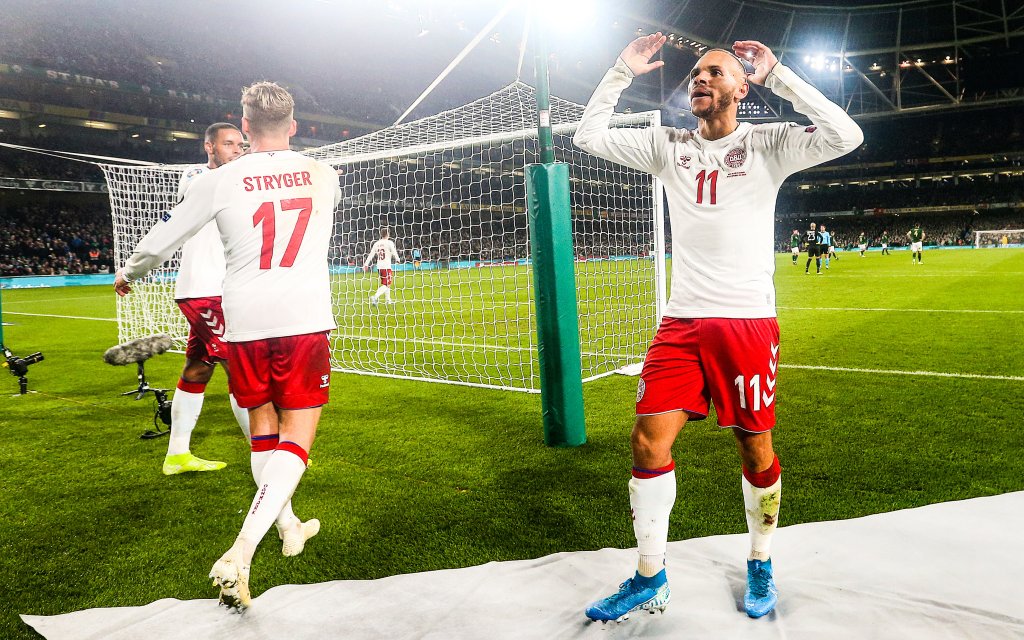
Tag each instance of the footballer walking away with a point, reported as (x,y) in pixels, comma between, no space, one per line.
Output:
(275,212)
(719,340)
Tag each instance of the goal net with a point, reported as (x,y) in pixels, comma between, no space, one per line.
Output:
(999,238)
(450,190)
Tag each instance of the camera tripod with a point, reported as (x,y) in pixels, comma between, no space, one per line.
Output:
(163,406)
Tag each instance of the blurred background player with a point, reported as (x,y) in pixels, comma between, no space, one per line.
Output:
(862,243)
(885,243)
(417,257)
(386,254)
(813,240)
(275,211)
(826,246)
(197,292)
(719,340)
(794,246)
(916,236)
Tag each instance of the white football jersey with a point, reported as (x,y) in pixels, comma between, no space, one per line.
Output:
(275,214)
(382,251)
(721,193)
(201,272)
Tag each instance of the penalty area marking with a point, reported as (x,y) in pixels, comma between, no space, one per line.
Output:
(896,372)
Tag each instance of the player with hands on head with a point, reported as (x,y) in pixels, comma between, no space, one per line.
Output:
(274,209)
(719,340)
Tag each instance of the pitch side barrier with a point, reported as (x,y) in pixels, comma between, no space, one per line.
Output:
(45,282)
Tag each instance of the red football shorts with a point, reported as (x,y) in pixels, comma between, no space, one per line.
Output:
(293,372)
(731,362)
(386,277)
(205,329)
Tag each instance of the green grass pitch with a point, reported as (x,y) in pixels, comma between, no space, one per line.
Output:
(412,476)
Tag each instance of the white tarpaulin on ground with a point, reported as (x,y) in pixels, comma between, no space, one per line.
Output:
(951,570)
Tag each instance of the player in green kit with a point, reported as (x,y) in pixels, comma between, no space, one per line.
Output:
(885,243)
(794,246)
(916,236)
(862,243)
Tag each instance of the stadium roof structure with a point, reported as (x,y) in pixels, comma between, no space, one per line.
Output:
(873,58)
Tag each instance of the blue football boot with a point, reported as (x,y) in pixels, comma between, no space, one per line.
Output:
(637,593)
(761,594)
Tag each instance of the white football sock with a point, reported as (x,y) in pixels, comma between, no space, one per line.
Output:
(651,501)
(241,416)
(380,290)
(387,293)
(280,476)
(762,507)
(185,410)
(257,461)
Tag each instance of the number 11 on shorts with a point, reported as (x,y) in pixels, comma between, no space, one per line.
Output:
(755,387)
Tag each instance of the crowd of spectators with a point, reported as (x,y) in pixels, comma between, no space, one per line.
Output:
(59,239)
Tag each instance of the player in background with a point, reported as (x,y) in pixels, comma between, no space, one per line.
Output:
(794,246)
(862,243)
(719,339)
(813,241)
(916,236)
(885,243)
(197,292)
(385,253)
(826,246)
(417,257)
(275,212)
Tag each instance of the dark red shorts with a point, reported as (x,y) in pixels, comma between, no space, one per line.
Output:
(205,329)
(730,362)
(386,277)
(293,372)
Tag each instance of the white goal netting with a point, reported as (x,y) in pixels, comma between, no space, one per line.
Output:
(451,191)
(999,238)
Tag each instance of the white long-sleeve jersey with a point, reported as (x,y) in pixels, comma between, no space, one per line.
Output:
(275,215)
(721,193)
(383,251)
(202,267)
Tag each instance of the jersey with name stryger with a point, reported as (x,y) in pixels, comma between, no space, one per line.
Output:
(202,266)
(274,212)
(721,193)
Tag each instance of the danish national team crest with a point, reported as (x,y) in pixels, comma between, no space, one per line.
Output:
(640,390)
(736,157)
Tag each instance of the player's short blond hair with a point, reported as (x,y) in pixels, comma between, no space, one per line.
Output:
(268,107)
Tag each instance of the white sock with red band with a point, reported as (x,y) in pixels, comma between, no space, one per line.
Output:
(762,499)
(278,480)
(241,415)
(652,493)
(262,448)
(186,405)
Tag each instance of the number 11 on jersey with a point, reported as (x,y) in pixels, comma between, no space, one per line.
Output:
(712,180)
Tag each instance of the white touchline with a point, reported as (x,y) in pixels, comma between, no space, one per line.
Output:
(895,372)
(50,315)
(917,310)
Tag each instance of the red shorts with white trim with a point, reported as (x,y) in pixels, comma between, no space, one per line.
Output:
(293,372)
(205,329)
(386,277)
(731,362)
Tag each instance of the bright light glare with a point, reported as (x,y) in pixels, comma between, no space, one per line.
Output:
(569,15)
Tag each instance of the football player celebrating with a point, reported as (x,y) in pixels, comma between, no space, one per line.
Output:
(719,340)
(275,212)
(197,292)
